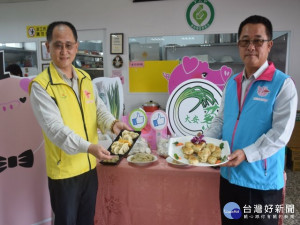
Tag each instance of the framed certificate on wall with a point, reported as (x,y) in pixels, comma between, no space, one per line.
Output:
(116,43)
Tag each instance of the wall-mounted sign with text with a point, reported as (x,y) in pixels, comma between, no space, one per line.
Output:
(200,14)
(36,31)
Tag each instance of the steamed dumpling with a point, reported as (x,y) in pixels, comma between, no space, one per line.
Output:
(187,150)
(217,153)
(193,160)
(212,160)
(115,147)
(128,138)
(130,133)
(198,147)
(203,155)
(124,149)
(211,147)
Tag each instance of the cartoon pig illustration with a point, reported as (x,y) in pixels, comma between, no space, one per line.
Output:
(191,68)
(23,180)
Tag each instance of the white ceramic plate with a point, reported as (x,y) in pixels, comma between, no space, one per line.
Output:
(178,164)
(129,159)
(173,149)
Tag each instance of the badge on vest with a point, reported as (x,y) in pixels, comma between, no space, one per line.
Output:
(262,92)
(88,96)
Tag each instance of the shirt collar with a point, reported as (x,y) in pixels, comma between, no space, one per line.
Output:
(258,72)
(63,75)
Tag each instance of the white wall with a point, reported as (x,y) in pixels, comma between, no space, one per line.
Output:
(149,19)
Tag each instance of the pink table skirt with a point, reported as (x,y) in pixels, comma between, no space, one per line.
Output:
(159,194)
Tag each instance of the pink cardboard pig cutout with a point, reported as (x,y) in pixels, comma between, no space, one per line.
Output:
(191,68)
(24,196)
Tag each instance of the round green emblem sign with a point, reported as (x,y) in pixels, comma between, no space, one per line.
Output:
(200,14)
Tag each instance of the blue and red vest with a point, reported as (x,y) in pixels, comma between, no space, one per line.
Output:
(244,124)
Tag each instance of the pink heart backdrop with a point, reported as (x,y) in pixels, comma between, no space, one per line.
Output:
(24,191)
(192,68)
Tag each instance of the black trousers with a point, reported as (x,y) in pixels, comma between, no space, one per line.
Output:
(258,207)
(73,200)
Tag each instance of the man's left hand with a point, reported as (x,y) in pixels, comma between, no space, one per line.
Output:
(118,126)
(235,159)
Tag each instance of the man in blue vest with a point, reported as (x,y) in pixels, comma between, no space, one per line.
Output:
(256,117)
(69,110)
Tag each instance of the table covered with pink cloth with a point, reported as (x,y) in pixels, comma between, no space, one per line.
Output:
(158,194)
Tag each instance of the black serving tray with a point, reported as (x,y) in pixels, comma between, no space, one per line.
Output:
(120,156)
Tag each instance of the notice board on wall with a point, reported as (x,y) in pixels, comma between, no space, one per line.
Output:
(148,76)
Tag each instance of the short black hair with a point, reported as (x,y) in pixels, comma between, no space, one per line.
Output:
(52,25)
(14,69)
(255,19)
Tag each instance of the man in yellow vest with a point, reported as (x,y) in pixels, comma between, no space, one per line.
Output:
(69,110)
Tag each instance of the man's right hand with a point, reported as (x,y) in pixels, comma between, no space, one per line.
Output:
(99,152)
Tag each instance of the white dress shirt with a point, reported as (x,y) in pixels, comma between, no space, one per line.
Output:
(284,114)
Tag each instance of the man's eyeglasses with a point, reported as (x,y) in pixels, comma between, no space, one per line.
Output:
(60,45)
(255,42)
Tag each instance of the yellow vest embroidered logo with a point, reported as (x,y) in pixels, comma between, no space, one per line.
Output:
(88,95)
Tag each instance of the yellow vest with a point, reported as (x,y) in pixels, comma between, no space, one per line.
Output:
(81,117)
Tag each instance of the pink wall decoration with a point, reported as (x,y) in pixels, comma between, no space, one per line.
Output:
(191,68)
(24,196)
